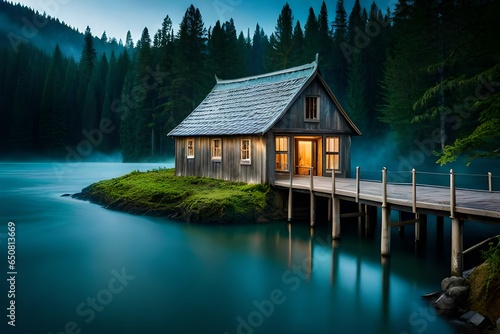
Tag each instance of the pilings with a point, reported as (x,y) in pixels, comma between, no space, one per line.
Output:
(416,208)
(457,231)
(312,200)
(335,212)
(290,197)
(385,247)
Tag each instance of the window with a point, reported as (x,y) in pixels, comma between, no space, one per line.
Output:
(245,152)
(282,154)
(190,148)
(216,149)
(332,153)
(312,108)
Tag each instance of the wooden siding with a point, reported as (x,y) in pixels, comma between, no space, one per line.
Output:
(330,119)
(331,123)
(230,167)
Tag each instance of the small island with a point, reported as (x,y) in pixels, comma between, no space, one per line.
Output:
(190,199)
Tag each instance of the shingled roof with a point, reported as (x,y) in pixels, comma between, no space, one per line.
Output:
(246,106)
(251,105)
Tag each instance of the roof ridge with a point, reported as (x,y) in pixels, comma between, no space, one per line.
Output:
(314,64)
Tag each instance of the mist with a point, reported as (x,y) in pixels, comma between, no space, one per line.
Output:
(372,154)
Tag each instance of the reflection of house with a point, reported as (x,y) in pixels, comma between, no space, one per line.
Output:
(252,129)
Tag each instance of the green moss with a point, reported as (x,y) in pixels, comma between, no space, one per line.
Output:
(193,199)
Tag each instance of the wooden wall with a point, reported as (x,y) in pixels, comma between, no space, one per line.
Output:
(331,123)
(330,118)
(230,167)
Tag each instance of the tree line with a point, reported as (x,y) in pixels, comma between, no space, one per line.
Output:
(412,72)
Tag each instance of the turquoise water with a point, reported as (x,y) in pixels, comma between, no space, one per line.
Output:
(84,269)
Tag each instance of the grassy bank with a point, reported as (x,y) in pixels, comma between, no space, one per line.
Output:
(191,199)
(485,284)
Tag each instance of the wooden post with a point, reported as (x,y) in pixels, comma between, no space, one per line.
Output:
(401,229)
(311,191)
(490,182)
(414,190)
(385,246)
(452,194)
(457,249)
(357,184)
(360,218)
(414,204)
(335,212)
(290,193)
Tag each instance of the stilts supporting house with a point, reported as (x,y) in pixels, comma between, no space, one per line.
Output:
(460,205)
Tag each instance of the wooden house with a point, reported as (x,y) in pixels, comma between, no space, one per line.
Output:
(258,128)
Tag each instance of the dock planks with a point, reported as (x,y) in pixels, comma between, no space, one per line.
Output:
(470,204)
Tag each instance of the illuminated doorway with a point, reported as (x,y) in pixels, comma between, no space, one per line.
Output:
(306,155)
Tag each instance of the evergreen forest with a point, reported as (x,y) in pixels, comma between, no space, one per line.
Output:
(425,73)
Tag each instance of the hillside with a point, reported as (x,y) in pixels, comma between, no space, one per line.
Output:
(20,25)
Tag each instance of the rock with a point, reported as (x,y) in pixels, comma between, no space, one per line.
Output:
(459,294)
(467,316)
(469,272)
(433,295)
(66,195)
(445,302)
(451,282)
(477,320)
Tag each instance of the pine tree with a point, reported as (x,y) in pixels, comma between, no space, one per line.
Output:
(129,42)
(297,57)
(259,42)
(191,81)
(356,93)
(52,125)
(339,63)
(86,99)
(312,39)
(406,74)
(326,43)
(282,41)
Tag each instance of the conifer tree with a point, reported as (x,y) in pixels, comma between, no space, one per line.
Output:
(52,125)
(311,37)
(259,45)
(282,41)
(339,63)
(297,57)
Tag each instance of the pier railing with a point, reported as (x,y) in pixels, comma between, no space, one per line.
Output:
(401,178)
(480,182)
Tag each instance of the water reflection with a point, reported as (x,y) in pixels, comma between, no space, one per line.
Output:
(195,278)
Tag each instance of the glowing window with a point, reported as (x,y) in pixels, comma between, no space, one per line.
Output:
(282,148)
(332,153)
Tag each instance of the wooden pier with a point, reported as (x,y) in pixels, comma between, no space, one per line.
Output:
(459,204)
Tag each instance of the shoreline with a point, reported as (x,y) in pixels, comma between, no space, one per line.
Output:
(159,193)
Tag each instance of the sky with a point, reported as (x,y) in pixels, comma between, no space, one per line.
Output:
(117,17)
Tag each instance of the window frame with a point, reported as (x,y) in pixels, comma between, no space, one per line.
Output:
(282,152)
(188,155)
(213,150)
(332,152)
(247,152)
(307,110)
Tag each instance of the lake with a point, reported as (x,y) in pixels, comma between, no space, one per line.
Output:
(85,269)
